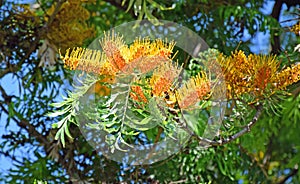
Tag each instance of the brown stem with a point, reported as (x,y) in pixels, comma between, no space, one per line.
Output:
(276,14)
(276,39)
(246,129)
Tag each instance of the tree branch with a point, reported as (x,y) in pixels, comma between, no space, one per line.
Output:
(56,10)
(276,39)
(276,14)
(246,129)
(28,127)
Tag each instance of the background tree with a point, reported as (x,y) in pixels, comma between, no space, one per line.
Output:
(269,153)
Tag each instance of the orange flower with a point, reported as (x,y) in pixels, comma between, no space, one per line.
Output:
(264,72)
(250,74)
(144,55)
(296,28)
(193,91)
(287,76)
(88,60)
(144,47)
(111,45)
(137,94)
(163,78)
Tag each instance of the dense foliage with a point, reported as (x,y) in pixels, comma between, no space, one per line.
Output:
(258,141)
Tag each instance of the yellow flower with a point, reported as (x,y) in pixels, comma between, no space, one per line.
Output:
(145,48)
(265,68)
(237,72)
(163,78)
(91,61)
(250,74)
(137,94)
(195,90)
(296,28)
(69,29)
(144,56)
(287,76)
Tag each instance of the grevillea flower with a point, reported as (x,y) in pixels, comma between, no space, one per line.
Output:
(296,28)
(137,94)
(193,91)
(146,47)
(237,72)
(287,76)
(69,29)
(252,74)
(163,78)
(264,72)
(143,55)
(88,60)
(112,45)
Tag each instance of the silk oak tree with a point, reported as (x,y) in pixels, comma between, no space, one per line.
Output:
(121,88)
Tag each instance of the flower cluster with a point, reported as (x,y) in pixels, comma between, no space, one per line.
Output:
(296,28)
(69,29)
(195,89)
(163,78)
(141,57)
(287,76)
(255,74)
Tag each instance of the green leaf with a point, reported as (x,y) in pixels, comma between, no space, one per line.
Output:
(161,7)
(66,128)
(129,5)
(54,125)
(150,17)
(57,113)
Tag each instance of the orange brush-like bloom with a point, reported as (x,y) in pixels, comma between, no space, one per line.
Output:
(111,45)
(287,76)
(144,56)
(265,68)
(84,59)
(195,90)
(137,94)
(163,78)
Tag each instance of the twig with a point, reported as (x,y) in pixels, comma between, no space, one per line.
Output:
(276,14)
(56,10)
(27,126)
(179,181)
(246,129)
(32,131)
